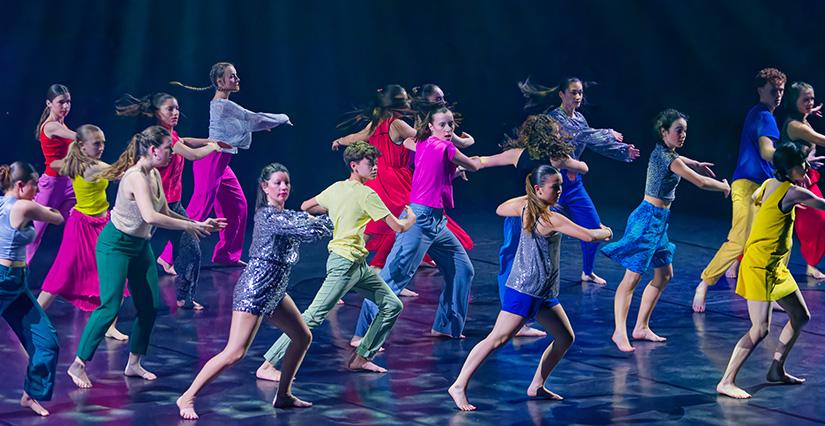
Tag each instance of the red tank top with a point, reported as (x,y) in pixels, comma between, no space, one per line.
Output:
(54,148)
(172,174)
(393,155)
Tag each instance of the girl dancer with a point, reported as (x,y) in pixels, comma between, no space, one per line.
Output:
(215,183)
(645,239)
(73,274)
(533,288)
(763,276)
(164,108)
(575,200)
(53,190)
(436,162)
(261,290)
(17,305)
(810,223)
(123,250)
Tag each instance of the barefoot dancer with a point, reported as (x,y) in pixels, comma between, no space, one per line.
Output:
(73,275)
(645,240)
(763,276)
(351,205)
(533,286)
(124,253)
(17,304)
(261,291)
(215,183)
(575,201)
(164,108)
(756,146)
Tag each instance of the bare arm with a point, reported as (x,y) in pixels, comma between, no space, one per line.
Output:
(400,131)
(137,185)
(472,164)
(57,165)
(570,164)
(361,135)
(311,206)
(464,141)
(799,130)
(800,195)
(195,153)
(512,207)
(703,182)
(25,211)
(409,143)
(564,225)
(53,128)
(401,225)
(506,158)
(766,148)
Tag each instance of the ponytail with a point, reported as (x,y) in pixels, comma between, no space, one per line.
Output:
(76,162)
(130,106)
(536,209)
(15,172)
(138,147)
(539,96)
(388,101)
(215,74)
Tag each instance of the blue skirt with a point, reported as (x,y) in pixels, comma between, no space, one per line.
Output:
(644,241)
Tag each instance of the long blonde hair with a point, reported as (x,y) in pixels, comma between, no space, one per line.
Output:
(536,208)
(76,162)
(138,147)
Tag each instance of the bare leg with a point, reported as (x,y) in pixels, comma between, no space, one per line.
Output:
(288,318)
(28,402)
(45,299)
(555,320)
(134,369)
(653,290)
(699,297)
(760,315)
(506,326)
(621,306)
(798,316)
(242,331)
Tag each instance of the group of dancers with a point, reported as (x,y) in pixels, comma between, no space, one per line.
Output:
(401,166)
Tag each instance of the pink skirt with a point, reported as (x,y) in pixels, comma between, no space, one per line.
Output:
(73,275)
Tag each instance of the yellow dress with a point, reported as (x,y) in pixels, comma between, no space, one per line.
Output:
(763,274)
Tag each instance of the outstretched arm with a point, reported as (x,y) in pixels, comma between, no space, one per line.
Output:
(195,153)
(709,184)
(302,225)
(472,164)
(512,207)
(311,206)
(570,164)
(506,158)
(799,130)
(347,140)
(53,128)
(24,211)
(564,225)
(800,195)
(700,167)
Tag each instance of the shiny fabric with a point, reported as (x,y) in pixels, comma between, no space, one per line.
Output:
(644,241)
(535,270)
(661,182)
(233,124)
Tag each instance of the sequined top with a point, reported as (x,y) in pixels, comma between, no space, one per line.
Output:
(13,241)
(536,265)
(279,233)
(583,136)
(661,181)
(233,124)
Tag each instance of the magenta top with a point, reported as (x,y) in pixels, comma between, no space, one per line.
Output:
(432,183)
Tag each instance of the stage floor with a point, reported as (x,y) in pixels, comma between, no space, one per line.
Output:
(671,382)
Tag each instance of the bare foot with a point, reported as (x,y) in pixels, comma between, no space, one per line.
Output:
(407,293)
(356,342)
(77,371)
(699,297)
(434,333)
(137,370)
(530,332)
(186,407)
(167,267)
(543,393)
(28,402)
(359,363)
(647,334)
(114,333)
(731,390)
(340,302)
(267,372)
(460,398)
(814,273)
(593,278)
(777,374)
(733,271)
(289,401)
(622,343)
(193,305)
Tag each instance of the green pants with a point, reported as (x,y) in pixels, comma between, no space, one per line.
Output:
(343,275)
(120,257)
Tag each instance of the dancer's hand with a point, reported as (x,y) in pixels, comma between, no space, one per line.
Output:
(618,136)
(607,228)
(726,188)
(632,152)
(410,214)
(216,223)
(223,144)
(462,173)
(705,169)
(336,144)
(817,111)
(198,229)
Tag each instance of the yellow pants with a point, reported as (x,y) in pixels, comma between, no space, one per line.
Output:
(744,210)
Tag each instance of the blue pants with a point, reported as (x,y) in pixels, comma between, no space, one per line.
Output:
(579,208)
(34,330)
(428,235)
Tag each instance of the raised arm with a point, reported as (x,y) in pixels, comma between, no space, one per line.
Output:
(564,225)
(799,195)
(512,207)
(799,130)
(709,184)
(53,128)
(311,206)
(464,141)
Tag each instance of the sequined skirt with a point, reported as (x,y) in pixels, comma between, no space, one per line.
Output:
(261,287)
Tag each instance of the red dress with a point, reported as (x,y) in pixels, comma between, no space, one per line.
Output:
(392,184)
(810,226)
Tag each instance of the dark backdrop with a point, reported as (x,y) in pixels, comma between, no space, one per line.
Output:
(316,60)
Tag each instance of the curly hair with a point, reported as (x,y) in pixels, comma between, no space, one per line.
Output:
(359,151)
(664,120)
(769,75)
(542,138)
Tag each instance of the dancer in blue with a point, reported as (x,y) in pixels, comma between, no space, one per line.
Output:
(575,201)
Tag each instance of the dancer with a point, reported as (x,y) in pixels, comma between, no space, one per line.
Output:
(351,205)
(261,290)
(55,136)
(215,183)
(756,146)
(810,223)
(436,164)
(123,250)
(17,304)
(73,275)
(575,200)
(533,288)
(645,239)
(538,141)
(187,252)
(763,276)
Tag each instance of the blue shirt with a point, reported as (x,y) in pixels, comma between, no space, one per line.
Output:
(750,165)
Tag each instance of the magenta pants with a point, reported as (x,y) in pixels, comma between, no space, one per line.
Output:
(55,192)
(216,187)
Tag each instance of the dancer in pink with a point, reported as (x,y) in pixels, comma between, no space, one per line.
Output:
(53,190)
(215,183)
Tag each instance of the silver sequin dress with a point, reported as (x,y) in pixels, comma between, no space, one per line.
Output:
(536,265)
(275,242)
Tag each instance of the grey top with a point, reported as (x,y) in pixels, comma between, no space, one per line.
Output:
(536,265)
(661,181)
(279,233)
(233,124)
(583,136)
(126,217)
(13,241)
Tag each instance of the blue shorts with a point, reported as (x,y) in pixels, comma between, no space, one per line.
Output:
(524,305)
(644,241)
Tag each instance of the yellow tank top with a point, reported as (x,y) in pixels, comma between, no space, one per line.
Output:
(91,196)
